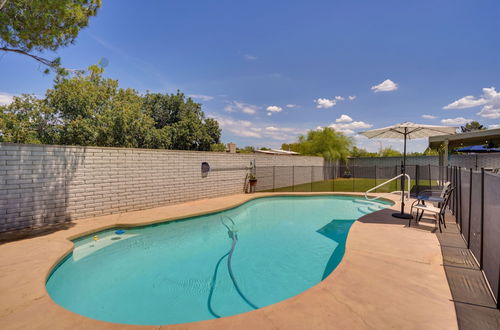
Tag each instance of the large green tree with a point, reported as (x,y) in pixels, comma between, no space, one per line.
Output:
(29,27)
(183,119)
(327,142)
(28,120)
(88,109)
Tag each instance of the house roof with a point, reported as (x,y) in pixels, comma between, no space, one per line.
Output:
(277,152)
(467,139)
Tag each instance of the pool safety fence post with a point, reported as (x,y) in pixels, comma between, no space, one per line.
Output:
(334,177)
(293,178)
(353,177)
(454,192)
(459,210)
(417,176)
(312,170)
(470,199)
(482,226)
(396,173)
(498,288)
(274,178)
(455,208)
(430,177)
(452,197)
(455,196)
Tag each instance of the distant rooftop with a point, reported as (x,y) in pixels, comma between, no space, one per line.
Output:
(277,152)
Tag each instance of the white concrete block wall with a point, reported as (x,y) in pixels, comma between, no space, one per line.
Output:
(41,184)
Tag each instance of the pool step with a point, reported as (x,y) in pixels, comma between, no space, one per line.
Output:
(360,202)
(364,210)
(376,207)
(370,208)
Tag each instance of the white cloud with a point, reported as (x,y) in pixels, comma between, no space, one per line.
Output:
(241,128)
(229,108)
(429,117)
(349,128)
(249,57)
(324,103)
(456,121)
(280,129)
(494,126)
(291,105)
(248,129)
(242,107)
(492,105)
(343,119)
(465,102)
(352,97)
(201,97)
(274,108)
(490,99)
(339,98)
(374,145)
(269,114)
(6,99)
(228,122)
(385,86)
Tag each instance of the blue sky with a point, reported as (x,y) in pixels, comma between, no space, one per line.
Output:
(270,70)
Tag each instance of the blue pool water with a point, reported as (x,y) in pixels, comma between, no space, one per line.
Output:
(177,272)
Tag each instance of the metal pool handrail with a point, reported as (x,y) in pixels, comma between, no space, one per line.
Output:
(392,192)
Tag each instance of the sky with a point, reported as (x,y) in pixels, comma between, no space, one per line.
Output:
(271,70)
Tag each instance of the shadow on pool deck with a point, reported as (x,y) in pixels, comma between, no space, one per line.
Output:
(25,233)
(385,217)
(474,305)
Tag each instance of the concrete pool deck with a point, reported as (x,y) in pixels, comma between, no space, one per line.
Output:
(391,276)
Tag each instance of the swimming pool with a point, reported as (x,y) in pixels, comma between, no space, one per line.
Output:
(216,265)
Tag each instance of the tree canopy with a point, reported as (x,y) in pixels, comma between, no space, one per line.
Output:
(88,109)
(389,152)
(38,25)
(246,150)
(361,152)
(328,143)
(472,126)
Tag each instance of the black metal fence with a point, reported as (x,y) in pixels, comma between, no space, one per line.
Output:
(345,178)
(476,205)
(475,202)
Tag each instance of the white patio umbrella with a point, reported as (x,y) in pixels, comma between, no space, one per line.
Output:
(406,131)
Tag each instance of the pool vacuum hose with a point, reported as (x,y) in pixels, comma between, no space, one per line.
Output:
(234,236)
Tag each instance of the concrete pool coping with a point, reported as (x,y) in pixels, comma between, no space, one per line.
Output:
(390,277)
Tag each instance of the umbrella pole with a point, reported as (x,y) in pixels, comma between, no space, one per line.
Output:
(402,214)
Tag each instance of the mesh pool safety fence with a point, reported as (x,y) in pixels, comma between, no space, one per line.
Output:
(475,201)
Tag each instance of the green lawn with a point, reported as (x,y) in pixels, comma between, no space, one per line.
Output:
(348,185)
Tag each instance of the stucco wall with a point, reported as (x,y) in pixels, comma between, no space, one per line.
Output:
(43,184)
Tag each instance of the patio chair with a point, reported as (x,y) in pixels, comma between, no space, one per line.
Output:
(429,195)
(438,212)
